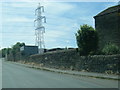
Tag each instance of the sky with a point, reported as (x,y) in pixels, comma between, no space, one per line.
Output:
(63,21)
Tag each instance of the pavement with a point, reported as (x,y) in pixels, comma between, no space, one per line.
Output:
(15,75)
(82,73)
(77,73)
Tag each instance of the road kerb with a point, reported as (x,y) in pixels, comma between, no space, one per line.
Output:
(65,72)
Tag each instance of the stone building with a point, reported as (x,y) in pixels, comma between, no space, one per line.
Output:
(107,23)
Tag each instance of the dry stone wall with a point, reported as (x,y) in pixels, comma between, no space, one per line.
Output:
(71,59)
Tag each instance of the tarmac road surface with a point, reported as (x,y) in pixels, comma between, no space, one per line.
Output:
(17,76)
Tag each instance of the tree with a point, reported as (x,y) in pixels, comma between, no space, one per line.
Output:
(87,40)
(5,51)
(16,47)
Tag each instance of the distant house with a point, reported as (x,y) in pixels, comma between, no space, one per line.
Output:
(107,23)
(29,50)
(54,49)
(57,49)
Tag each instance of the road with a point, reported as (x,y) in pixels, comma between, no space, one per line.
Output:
(18,76)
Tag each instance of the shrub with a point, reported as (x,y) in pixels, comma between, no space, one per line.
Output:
(110,49)
(87,40)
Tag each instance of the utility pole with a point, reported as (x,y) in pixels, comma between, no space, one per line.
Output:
(40,29)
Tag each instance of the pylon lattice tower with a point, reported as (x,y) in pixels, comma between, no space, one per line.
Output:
(40,29)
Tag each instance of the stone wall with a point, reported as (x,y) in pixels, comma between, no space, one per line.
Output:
(17,57)
(71,59)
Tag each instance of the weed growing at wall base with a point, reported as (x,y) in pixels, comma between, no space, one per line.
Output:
(110,49)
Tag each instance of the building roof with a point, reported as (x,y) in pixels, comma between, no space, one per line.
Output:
(109,10)
(29,46)
(54,49)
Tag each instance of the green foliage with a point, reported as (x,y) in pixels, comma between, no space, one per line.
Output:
(87,40)
(110,49)
(5,51)
(15,48)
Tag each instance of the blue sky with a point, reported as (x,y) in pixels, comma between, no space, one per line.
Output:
(63,21)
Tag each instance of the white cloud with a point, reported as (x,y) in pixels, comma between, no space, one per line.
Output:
(22,4)
(54,34)
(50,7)
(19,19)
(57,8)
(63,20)
(60,0)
